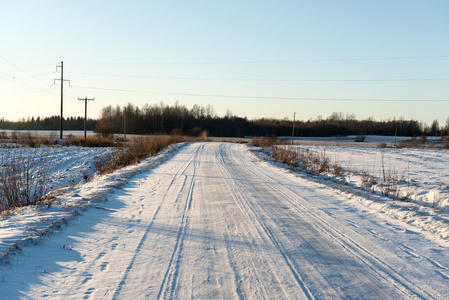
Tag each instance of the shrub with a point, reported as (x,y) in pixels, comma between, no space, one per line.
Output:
(177,132)
(266,142)
(24,176)
(90,142)
(134,152)
(306,160)
(105,130)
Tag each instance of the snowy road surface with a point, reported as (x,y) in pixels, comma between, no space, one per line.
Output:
(215,223)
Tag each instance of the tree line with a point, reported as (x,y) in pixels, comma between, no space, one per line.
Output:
(48,123)
(179,120)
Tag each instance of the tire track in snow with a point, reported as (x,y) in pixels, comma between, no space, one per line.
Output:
(389,277)
(169,282)
(383,270)
(215,224)
(376,265)
(179,173)
(230,249)
(207,271)
(251,215)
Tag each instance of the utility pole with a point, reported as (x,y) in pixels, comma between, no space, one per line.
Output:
(62,92)
(293,128)
(85,112)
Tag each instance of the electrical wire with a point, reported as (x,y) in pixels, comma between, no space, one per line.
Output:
(265,80)
(267,62)
(24,71)
(265,97)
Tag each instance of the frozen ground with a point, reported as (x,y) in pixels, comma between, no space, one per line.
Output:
(212,220)
(422,173)
(427,169)
(70,167)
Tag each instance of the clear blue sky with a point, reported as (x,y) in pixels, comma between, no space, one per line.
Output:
(269,58)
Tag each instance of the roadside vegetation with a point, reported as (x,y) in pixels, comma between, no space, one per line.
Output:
(389,183)
(267,142)
(24,176)
(137,150)
(306,160)
(26,166)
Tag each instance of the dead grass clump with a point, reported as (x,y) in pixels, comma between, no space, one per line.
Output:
(24,176)
(28,139)
(408,144)
(320,162)
(285,155)
(392,185)
(266,142)
(368,180)
(423,142)
(306,160)
(91,142)
(337,170)
(135,151)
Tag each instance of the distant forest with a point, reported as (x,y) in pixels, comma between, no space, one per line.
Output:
(179,120)
(176,119)
(48,123)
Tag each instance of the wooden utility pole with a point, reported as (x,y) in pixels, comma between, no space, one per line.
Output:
(62,94)
(85,112)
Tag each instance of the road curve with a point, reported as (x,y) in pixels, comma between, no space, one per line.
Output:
(215,223)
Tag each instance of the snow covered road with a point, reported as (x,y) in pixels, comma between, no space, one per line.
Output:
(213,222)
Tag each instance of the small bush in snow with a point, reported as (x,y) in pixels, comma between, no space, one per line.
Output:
(266,142)
(306,160)
(134,152)
(24,176)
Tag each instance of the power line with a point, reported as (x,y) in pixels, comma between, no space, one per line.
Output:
(269,61)
(16,80)
(265,97)
(266,80)
(30,90)
(24,71)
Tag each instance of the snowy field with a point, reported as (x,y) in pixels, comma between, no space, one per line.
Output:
(213,220)
(426,170)
(422,174)
(70,167)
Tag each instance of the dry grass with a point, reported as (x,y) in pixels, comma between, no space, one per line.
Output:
(136,151)
(389,184)
(92,142)
(266,142)
(24,176)
(423,142)
(26,169)
(306,160)
(27,139)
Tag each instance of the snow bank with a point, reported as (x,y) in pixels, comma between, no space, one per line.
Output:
(72,165)
(423,182)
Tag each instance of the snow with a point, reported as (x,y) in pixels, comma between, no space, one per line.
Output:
(352,138)
(213,220)
(423,176)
